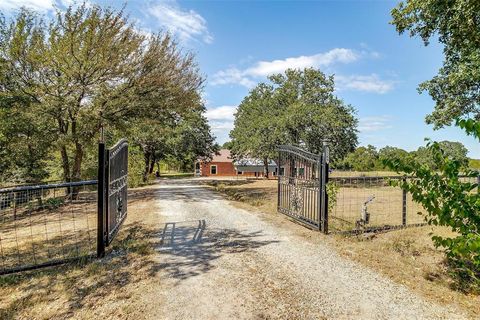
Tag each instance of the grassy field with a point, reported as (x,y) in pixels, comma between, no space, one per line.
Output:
(407,256)
(47,228)
(107,288)
(346,207)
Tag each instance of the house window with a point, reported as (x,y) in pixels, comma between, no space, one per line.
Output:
(239,172)
(301,172)
(213,169)
(282,171)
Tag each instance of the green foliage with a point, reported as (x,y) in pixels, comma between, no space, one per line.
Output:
(298,107)
(362,159)
(389,152)
(456,24)
(88,68)
(135,166)
(256,133)
(54,203)
(369,159)
(227,145)
(453,150)
(332,192)
(311,113)
(474,164)
(448,200)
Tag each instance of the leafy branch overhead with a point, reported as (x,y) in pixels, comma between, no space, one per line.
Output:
(448,200)
(455,89)
(86,68)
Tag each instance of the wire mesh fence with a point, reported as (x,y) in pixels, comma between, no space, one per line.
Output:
(47,224)
(365,203)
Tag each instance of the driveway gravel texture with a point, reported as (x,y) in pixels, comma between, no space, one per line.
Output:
(217,261)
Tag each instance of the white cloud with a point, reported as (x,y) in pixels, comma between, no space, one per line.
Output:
(374,123)
(265,68)
(221,113)
(369,83)
(250,76)
(232,76)
(221,126)
(40,5)
(187,24)
(221,118)
(247,76)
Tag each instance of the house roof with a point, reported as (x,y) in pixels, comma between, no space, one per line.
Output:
(253,162)
(223,156)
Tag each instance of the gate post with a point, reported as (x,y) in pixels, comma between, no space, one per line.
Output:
(323,188)
(101,201)
(404,204)
(278,180)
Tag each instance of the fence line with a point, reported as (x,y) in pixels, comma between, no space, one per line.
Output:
(47,224)
(368,203)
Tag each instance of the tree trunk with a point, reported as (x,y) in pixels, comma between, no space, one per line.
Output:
(63,129)
(77,162)
(152,165)
(265,163)
(77,168)
(65,164)
(146,156)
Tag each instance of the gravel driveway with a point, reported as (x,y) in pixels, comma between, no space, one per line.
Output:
(217,261)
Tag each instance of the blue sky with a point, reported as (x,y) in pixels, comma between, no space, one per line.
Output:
(238,43)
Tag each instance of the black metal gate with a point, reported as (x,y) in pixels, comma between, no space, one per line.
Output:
(302,179)
(112,192)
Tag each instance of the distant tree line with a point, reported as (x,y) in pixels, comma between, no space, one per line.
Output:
(370,159)
(64,78)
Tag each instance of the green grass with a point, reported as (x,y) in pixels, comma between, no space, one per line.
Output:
(176,175)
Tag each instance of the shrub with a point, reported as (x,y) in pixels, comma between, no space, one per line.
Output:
(448,201)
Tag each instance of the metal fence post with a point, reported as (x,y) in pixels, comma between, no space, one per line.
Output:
(323,188)
(278,180)
(320,193)
(14,206)
(101,201)
(404,205)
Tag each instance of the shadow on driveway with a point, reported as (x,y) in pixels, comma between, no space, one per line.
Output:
(189,249)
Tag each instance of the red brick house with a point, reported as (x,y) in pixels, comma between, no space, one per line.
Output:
(222,165)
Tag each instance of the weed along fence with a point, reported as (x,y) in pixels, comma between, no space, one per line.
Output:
(48,224)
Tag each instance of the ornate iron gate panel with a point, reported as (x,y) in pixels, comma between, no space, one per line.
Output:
(117,176)
(302,186)
(112,192)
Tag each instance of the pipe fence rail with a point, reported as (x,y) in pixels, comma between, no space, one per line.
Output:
(42,225)
(369,203)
